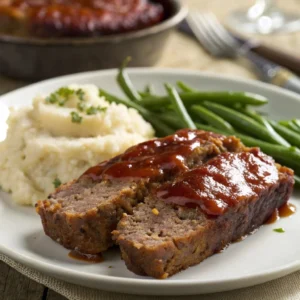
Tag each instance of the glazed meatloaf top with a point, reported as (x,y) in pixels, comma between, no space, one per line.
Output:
(154,161)
(82,214)
(77,18)
(200,212)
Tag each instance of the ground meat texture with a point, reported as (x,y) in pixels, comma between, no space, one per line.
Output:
(162,238)
(77,18)
(82,214)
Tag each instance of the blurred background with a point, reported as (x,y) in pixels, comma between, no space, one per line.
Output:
(182,51)
(276,25)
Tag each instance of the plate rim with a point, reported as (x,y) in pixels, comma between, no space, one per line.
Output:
(119,283)
(147,70)
(71,275)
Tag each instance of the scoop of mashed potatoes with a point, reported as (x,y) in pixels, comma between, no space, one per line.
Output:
(61,136)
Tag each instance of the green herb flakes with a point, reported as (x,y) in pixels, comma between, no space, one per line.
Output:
(92,110)
(279,230)
(102,108)
(76,118)
(61,96)
(61,102)
(65,92)
(56,183)
(80,94)
(81,106)
(52,98)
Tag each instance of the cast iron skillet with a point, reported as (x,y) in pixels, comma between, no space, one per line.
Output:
(35,58)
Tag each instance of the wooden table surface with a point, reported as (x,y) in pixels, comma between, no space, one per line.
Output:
(13,285)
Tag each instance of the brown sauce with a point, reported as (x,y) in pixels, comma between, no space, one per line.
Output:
(222,182)
(284,211)
(91,258)
(274,217)
(287,210)
(152,158)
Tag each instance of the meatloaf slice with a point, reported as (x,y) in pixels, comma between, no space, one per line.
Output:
(185,221)
(82,214)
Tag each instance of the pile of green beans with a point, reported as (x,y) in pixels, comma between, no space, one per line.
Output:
(228,113)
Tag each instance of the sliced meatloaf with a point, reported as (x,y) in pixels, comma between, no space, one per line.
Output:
(184,221)
(82,214)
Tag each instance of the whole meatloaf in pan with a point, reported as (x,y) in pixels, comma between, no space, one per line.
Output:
(77,18)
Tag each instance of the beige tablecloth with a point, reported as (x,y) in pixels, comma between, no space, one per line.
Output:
(183,52)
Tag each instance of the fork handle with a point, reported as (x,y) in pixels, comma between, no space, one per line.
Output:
(284,59)
(287,80)
(292,62)
(272,72)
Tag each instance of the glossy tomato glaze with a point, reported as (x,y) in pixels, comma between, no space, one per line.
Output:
(222,182)
(153,158)
(83,17)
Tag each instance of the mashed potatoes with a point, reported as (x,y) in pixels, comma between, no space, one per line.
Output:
(62,135)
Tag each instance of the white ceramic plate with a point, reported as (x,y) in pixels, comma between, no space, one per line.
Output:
(264,256)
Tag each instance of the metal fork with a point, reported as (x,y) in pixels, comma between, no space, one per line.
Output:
(220,43)
(212,35)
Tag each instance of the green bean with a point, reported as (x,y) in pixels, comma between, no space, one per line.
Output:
(179,107)
(126,84)
(239,106)
(297,123)
(244,123)
(289,154)
(211,128)
(290,125)
(263,121)
(148,91)
(226,98)
(211,118)
(144,94)
(184,87)
(171,119)
(160,127)
(287,133)
(252,114)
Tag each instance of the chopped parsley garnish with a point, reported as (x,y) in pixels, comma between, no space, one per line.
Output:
(81,106)
(80,94)
(56,183)
(61,102)
(65,92)
(76,118)
(52,98)
(102,108)
(280,230)
(92,110)
(61,96)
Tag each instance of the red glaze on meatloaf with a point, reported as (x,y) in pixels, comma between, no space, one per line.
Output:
(82,214)
(201,211)
(77,18)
